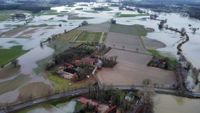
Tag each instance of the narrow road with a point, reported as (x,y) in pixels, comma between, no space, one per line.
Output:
(43,100)
(101,39)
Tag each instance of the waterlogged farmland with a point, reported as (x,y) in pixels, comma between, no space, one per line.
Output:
(21,40)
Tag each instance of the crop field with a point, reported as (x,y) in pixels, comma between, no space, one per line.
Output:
(69,36)
(137,30)
(80,36)
(89,37)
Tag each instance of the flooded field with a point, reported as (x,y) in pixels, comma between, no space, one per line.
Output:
(130,71)
(173,104)
(40,27)
(66,107)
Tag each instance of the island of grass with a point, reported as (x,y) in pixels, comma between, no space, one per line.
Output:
(129,15)
(172,61)
(137,30)
(7,55)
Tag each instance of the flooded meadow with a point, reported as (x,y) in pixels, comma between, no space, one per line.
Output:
(30,33)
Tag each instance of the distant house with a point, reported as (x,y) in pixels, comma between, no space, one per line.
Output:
(101,108)
(113,21)
(129,97)
(84,23)
(19,16)
(153,16)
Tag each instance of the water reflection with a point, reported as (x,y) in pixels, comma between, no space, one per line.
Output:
(29,60)
(173,104)
(67,107)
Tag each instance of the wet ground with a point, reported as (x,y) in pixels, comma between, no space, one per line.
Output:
(131,69)
(173,104)
(67,107)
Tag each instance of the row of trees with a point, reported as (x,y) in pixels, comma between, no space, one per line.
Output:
(70,55)
(117,97)
(109,62)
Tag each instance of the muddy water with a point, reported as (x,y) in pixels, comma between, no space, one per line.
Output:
(173,104)
(67,107)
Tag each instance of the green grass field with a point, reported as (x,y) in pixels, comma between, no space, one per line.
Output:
(7,55)
(138,30)
(89,36)
(69,36)
(129,15)
(61,84)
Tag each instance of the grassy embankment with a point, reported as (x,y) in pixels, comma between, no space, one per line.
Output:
(129,15)
(172,61)
(7,55)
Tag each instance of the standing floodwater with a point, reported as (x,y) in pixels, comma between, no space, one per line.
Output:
(173,104)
